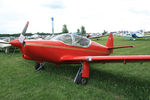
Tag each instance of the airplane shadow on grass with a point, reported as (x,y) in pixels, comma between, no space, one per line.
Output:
(130,87)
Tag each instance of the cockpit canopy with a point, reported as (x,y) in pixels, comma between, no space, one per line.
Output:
(72,39)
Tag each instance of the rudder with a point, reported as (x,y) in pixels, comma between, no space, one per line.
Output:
(110,42)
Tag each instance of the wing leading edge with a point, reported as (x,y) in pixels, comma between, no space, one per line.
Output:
(105,59)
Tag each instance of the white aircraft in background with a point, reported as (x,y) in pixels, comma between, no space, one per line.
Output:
(34,37)
(94,35)
(139,34)
(4,46)
(133,35)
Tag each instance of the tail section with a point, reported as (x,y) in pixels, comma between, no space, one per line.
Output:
(110,42)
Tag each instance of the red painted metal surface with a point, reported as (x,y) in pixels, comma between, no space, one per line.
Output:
(52,51)
(16,43)
(85,72)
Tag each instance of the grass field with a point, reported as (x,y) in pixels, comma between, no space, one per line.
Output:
(112,81)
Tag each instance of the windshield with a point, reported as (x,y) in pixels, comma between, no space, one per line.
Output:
(80,41)
(74,40)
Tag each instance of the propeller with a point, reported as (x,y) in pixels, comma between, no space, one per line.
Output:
(21,37)
(18,43)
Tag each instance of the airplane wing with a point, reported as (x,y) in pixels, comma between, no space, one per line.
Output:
(105,59)
(5,45)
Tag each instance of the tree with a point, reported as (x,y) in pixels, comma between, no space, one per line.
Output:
(104,33)
(83,31)
(78,30)
(64,29)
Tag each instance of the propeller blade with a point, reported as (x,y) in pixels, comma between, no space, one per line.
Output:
(25,28)
(22,37)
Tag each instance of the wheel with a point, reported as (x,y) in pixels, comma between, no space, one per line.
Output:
(84,81)
(37,66)
(79,79)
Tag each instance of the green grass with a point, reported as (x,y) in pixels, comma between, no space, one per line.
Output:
(112,81)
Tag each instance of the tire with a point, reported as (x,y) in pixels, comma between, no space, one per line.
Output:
(84,81)
(37,66)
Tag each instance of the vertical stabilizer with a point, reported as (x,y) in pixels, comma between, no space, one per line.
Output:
(110,42)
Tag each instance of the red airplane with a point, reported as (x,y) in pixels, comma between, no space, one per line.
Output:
(72,49)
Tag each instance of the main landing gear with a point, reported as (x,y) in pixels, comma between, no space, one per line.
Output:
(39,66)
(79,79)
(82,74)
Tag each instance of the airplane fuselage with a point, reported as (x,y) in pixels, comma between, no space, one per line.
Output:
(52,51)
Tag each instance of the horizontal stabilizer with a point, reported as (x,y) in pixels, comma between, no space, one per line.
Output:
(121,47)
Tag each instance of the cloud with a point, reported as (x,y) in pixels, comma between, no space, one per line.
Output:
(95,15)
(55,4)
(144,12)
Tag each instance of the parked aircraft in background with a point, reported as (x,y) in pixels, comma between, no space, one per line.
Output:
(134,35)
(71,49)
(94,35)
(34,37)
(139,34)
(4,46)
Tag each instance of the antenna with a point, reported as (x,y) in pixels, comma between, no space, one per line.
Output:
(52,26)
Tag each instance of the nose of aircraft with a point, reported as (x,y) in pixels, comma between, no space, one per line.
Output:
(16,43)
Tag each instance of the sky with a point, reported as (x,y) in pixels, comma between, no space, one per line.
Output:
(94,15)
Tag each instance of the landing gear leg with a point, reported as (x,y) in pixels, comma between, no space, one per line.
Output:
(6,51)
(82,75)
(39,66)
(78,77)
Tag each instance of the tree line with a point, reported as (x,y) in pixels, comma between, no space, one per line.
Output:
(64,30)
(80,31)
(18,34)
